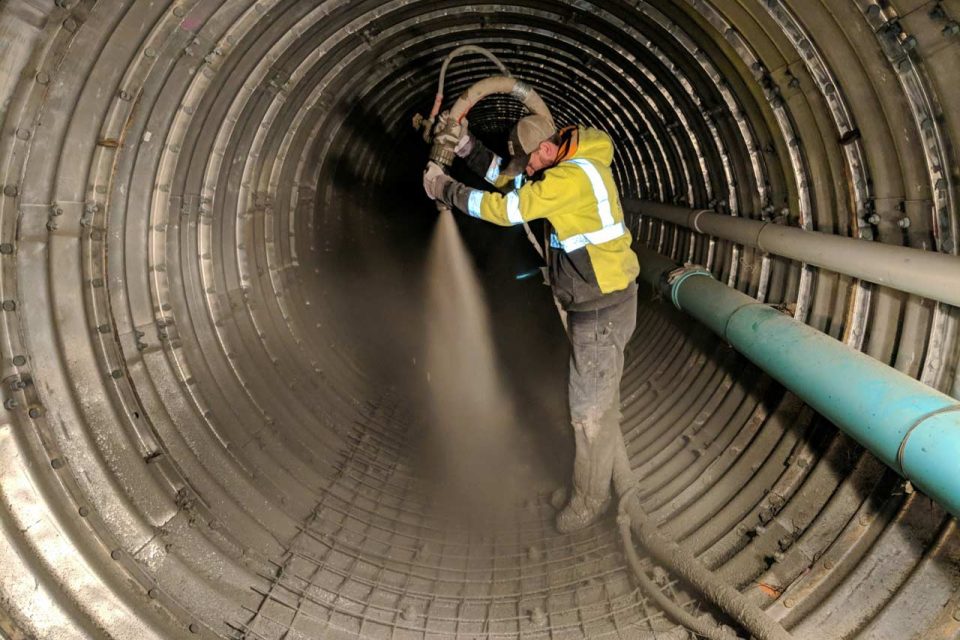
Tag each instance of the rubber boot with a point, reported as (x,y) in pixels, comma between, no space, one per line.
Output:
(581,512)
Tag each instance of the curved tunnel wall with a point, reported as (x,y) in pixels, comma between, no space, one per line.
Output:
(211,231)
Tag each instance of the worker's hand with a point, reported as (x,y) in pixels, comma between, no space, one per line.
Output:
(434,181)
(457,135)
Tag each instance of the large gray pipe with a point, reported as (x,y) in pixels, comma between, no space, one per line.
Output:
(928,274)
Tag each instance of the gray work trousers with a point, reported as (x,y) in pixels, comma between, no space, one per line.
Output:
(596,366)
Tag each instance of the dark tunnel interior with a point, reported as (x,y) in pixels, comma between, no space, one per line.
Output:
(214,277)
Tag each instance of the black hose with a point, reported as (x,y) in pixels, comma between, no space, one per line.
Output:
(671,608)
(683,563)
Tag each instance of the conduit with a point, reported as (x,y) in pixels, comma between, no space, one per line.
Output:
(211,239)
(907,425)
(924,273)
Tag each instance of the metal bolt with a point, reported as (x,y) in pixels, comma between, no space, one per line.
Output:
(10,403)
(115,554)
(909,43)
(83,511)
(70,25)
(96,234)
(19,360)
(6,248)
(194,627)
(150,52)
(828,564)
(538,616)
(153,593)
(57,463)
(903,223)
(43,77)
(97,282)
(951,29)
(8,305)
(11,191)
(116,374)
(35,412)
(789,603)
(179,12)
(23,134)
(873,218)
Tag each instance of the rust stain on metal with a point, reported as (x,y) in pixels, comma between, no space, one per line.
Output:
(770,590)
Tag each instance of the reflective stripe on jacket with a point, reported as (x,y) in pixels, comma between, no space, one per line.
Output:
(579,198)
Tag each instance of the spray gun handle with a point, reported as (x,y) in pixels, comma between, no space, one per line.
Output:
(444,143)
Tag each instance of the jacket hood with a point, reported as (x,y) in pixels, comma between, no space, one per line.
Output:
(594,145)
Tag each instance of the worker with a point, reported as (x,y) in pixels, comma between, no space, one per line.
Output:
(564,176)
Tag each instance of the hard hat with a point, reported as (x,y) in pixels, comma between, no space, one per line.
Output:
(525,137)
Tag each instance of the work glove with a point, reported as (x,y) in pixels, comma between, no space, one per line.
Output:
(435,180)
(458,137)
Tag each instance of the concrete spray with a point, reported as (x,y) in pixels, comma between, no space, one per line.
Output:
(479,456)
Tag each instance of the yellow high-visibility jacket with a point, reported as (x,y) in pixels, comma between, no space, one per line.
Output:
(592,258)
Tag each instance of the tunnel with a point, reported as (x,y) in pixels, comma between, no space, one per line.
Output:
(214,282)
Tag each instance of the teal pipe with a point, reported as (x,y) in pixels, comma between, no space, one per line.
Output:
(911,427)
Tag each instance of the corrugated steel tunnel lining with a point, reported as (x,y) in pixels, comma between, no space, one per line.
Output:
(211,238)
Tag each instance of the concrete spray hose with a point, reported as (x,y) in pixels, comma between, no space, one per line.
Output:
(632,519)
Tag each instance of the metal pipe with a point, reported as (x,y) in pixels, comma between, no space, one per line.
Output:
(912,428)
(928,274)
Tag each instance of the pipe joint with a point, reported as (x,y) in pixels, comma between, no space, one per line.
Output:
(919,422)
(520,91)
(928,452)
(675,278)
